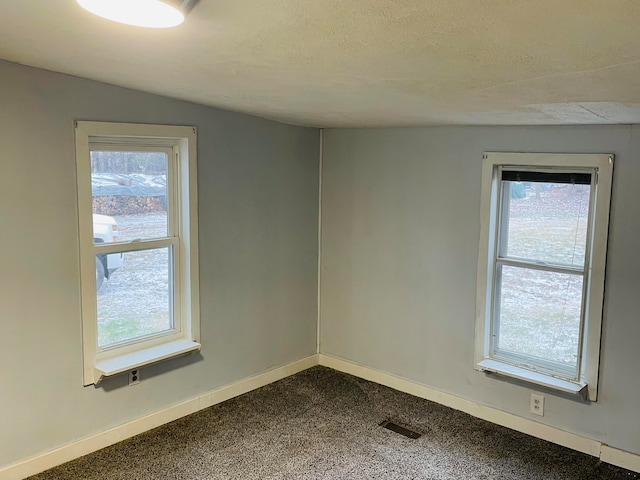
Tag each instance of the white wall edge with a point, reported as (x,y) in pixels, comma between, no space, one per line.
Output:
(319,300)
(84,446)
(555,435)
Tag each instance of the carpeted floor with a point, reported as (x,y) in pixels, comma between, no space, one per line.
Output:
(321,424)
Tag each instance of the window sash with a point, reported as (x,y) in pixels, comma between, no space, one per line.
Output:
(172,240)
(502,175)
(124,144)
(132,344)
(503,208)
(532,362)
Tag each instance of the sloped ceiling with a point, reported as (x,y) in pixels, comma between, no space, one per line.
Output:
(356,63)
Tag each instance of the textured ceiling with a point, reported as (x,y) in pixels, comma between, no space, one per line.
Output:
(339,63)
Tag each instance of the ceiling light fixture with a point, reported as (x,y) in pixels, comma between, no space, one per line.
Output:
(141,13)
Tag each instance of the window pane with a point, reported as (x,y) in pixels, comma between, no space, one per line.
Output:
(129,195)
(540,314)
(547,222)
(136,300)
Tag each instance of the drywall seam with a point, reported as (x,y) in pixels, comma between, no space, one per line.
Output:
(320,161)
(574,441)
(58,456)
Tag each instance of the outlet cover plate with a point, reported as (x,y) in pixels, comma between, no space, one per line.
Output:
(537,404)
(134,377)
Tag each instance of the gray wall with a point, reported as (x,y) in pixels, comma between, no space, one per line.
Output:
(400,245)
(400,232)
(258,257)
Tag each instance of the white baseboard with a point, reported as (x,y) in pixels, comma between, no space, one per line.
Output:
(71,451)
(623,459)
(52,458)
(574,441)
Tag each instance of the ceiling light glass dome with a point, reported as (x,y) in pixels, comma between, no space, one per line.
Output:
(141,13)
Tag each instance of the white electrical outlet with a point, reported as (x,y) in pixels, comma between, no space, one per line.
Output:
(134,377)
(537,404)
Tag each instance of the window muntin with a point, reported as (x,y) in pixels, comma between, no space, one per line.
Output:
(152,299)
(541,268)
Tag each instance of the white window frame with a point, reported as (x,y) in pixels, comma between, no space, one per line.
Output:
(585,382)
(179,142)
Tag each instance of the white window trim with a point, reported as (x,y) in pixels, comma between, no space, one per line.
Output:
(603,164)
(98,364)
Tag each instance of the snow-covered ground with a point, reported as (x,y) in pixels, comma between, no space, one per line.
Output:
(135,300)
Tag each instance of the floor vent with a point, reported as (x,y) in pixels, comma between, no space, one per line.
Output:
(401,429)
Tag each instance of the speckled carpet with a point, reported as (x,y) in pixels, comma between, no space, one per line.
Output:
(321,424)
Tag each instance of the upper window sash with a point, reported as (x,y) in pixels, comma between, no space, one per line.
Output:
(125,144)
(505,175)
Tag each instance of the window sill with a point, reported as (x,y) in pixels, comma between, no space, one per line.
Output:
(493,366)
(147,356)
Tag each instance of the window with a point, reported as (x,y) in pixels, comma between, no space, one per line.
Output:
(541,268)
(138,245)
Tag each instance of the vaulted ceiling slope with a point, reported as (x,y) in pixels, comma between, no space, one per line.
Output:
(359,63)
